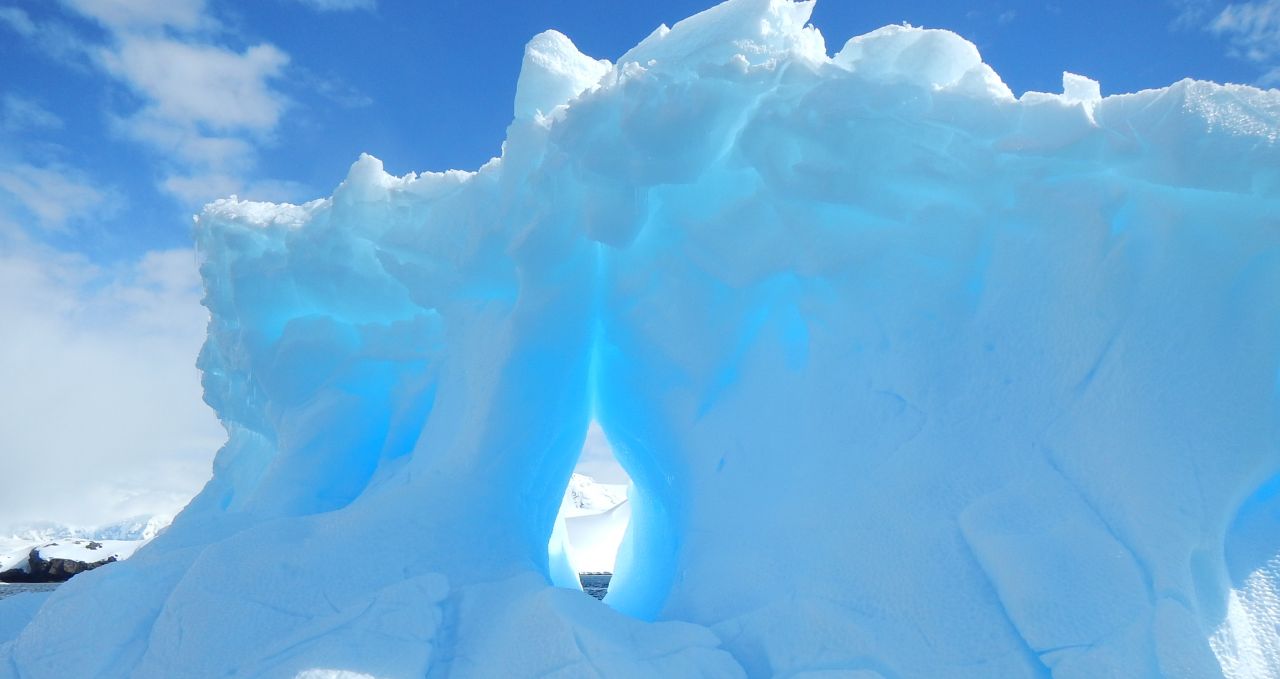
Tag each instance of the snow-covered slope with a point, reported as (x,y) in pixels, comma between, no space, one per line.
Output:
(914,378)
(14,557)
(584,496)
(82,551)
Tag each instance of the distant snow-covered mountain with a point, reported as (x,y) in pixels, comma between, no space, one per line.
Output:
(135,528)
(585,496)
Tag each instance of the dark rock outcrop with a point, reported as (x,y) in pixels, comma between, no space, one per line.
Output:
(41,569)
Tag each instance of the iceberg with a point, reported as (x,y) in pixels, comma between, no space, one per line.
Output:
(595,516)
(914,377)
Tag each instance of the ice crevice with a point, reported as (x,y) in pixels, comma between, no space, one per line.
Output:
(982,368)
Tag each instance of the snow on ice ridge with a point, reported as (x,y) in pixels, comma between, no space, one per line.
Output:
(914,378)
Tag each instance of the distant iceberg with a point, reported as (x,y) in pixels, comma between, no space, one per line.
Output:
(596,516)
(914,377)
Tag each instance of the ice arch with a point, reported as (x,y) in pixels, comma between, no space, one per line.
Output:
(997,372)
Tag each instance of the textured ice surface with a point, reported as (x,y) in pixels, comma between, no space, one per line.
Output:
(16,610)
(914,378)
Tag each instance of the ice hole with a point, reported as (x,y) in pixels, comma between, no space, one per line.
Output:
(593,518)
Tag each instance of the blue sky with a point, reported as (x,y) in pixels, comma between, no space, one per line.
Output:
(119,118)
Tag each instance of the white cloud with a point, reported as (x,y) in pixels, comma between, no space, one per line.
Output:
(19,113)
(53,196)
(206,107)
(1252,29)
(339,5)
(122,15)
(200,84)
(202,106)
(100,411)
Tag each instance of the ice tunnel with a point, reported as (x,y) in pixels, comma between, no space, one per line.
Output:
(914,378)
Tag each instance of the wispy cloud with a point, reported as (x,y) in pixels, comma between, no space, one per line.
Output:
(333,89)
(339,5)
(53,196)
(201,102)
(1191,14)
(133,15)
(17,20)
(54,38)
(19,114)
(1252,29)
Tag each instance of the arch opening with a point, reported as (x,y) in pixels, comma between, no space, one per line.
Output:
(593,520)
